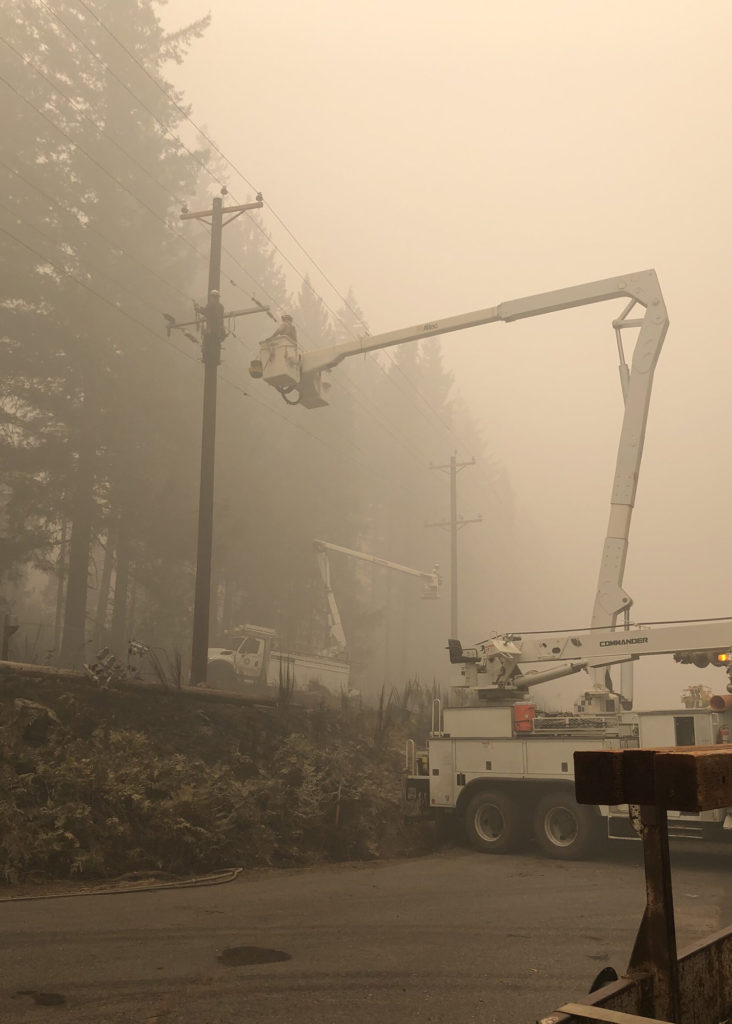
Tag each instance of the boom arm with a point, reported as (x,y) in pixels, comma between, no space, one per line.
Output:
(432,576)
(499,660)
(289,370)
(335,626)
(432,586)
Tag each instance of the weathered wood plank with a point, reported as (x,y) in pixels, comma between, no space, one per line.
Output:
(598,777)
(694,779)
(677,778)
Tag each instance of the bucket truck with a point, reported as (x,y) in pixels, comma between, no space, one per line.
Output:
(337,648)
(496,762)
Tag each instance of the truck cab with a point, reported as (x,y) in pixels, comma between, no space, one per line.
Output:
(245,662)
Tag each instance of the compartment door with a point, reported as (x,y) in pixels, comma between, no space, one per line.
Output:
(442,773)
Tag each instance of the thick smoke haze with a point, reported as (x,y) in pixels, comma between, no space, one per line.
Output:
(440,161)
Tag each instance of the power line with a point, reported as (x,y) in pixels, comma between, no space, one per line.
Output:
(375,471)
(183,113)
(165,188)
(134,95)
(103,298)
(405,442)
(90,227)
(343,456)
(92,122)
(137,296)
(124,85)
(97,163)
(93,291)
(141,102)
(114,178)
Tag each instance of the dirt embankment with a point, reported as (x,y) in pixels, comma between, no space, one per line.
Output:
(97,783)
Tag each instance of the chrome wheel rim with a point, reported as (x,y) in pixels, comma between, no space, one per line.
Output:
(489,823)
(560,826)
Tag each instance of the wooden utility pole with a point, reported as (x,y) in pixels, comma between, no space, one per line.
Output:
(454,524)
(73,640)
(60,580)
(8,629)
(212,321)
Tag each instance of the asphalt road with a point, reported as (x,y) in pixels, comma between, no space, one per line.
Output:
(452,937)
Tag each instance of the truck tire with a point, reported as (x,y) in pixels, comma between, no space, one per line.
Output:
(220,675)
(564,829)
(492,822)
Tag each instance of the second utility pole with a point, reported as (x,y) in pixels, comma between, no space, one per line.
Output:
(213,335)
(454,525)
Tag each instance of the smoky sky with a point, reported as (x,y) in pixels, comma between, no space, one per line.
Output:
(442,158)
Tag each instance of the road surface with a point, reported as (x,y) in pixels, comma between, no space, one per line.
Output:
(452,937)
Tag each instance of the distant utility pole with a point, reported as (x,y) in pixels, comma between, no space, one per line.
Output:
(454,524)
(211,319)
(8,629)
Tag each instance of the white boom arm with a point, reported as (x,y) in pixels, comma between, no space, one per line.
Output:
(432,575)
(431,590)
(335,625)
(284,366)
(496,663)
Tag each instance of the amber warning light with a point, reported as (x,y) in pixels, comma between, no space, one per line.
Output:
(703,658)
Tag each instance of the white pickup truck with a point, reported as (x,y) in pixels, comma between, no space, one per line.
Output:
(252,661)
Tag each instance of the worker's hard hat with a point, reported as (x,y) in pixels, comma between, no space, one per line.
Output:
(215,292)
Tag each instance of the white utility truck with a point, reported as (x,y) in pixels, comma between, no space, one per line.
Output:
(505,767)
(254,661)
(496,761)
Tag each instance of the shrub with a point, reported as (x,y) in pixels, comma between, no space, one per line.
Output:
(97,783)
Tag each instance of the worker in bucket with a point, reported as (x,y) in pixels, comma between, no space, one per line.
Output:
(285,329)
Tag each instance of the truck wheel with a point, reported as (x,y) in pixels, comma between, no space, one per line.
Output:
(221,676)
(492,822)
(564,829)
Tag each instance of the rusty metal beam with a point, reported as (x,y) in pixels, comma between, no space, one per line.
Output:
(705,973)
(654,953)
(657,780)
(695,780)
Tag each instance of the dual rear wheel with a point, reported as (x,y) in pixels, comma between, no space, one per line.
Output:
(496,822)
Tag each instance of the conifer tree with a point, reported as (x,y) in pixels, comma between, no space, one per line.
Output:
(91,180)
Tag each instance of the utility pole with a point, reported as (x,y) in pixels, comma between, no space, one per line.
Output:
(454,524)
(209,319)
(8,629)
